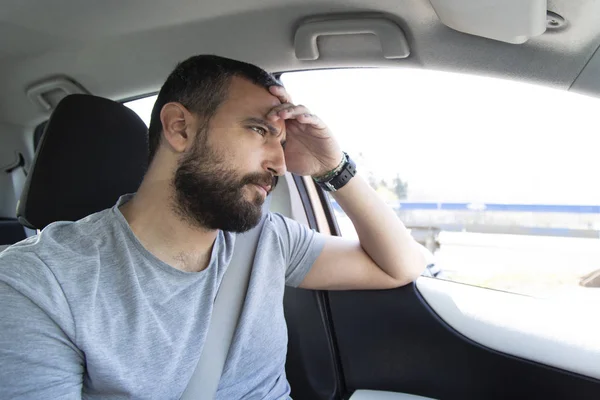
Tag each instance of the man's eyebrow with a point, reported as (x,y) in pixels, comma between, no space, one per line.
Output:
(263,122)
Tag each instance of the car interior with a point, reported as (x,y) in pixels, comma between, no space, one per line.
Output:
(69,147)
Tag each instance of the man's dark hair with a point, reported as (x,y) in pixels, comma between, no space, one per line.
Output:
(200,84)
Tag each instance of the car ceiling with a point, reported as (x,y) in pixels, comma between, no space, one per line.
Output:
(120,49)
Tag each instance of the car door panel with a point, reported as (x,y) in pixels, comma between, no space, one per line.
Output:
(393,340)
(554,332)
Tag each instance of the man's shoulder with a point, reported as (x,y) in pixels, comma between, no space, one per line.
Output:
(287,228)
(54,250)
(297,243)
(290,234)
(280,223)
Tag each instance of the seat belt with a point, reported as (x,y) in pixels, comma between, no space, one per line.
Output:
(18,176)
(225,315)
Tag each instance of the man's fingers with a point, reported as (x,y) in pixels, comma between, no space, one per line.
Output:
(300,113)
(310,119)
(281,94)
(307,118)
(286,111)
(279,111)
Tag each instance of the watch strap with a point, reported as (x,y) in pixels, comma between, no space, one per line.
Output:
(338,181)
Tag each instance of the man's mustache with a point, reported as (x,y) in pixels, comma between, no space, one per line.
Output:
(261,179)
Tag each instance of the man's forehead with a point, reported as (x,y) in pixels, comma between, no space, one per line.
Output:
(249,100)
(250,96)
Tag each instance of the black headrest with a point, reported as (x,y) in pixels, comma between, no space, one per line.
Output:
(93,151)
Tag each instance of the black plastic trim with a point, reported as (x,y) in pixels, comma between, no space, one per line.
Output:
(392,340)
(331,221)
(322,296)
(310,214)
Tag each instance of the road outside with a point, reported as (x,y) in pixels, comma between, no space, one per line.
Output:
(532,265)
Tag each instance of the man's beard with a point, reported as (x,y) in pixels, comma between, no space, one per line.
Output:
(210,195)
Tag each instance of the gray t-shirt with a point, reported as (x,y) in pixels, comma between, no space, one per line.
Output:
(87,312)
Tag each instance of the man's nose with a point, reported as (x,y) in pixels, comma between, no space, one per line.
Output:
(275,160)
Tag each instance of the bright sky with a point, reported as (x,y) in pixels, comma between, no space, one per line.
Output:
(457,137)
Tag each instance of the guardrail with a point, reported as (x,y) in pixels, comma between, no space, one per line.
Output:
(517,219)
(492,207)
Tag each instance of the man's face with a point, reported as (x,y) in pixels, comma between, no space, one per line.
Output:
(233,164)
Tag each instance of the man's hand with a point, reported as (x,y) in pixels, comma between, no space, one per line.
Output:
(310,147)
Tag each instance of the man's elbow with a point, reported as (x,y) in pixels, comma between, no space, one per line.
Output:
(411,270)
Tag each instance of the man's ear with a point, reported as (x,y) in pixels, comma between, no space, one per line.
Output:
(176,119)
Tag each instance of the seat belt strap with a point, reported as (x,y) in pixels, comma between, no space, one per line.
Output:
(225,315)
(18,176)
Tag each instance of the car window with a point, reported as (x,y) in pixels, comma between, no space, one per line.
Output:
(497,178)
(143,107)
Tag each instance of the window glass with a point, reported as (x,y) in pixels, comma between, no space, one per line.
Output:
(497,178)
(143,107)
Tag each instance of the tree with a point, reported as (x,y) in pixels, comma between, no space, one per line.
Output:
(368,173)
(400,188)
(372,180)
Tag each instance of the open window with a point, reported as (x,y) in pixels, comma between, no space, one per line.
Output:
(496,178)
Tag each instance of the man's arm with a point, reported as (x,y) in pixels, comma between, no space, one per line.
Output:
(38,359)
(385,256)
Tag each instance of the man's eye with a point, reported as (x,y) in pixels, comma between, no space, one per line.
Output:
(259,130)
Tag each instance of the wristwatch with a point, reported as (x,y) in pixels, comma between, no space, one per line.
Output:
(340,179)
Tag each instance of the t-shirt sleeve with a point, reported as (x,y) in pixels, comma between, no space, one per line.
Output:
(39,359)
(301,246)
